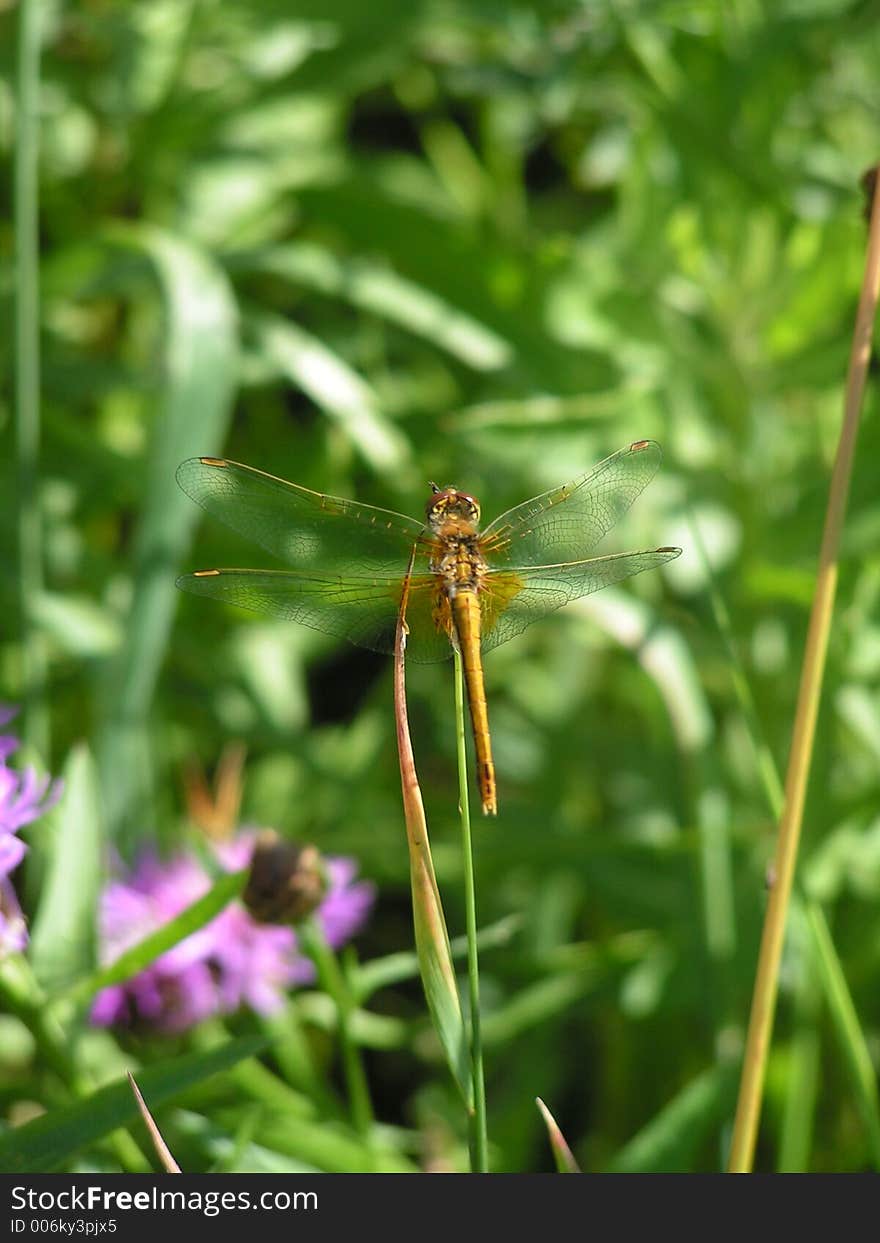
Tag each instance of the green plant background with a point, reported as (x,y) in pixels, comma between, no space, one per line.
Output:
(363,246)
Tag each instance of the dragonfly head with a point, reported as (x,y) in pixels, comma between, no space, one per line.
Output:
(448,503)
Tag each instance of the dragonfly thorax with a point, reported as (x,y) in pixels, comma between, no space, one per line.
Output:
(452,518)
(457,561)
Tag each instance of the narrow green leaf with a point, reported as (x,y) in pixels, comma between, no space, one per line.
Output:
(147,951)
(48,1142)
(379,973)
(846,1026)
(667,1143)
(63,936)
(665,657)
(537,1003)
(527,413)
(383,292)
(334,386)
(804,1055)
(330,1147)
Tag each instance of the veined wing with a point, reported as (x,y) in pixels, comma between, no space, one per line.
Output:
(561,525)
(306,529)
(513,599)
(361,609)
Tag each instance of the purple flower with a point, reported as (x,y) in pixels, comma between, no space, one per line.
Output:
(231,962)
(23,798)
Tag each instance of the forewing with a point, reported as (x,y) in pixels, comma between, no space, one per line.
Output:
(513,599)
(561,525)
(362,610)
(306,529)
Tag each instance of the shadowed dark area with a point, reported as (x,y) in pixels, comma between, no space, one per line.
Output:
(338,686)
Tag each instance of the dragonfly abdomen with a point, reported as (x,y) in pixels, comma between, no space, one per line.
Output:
(466,613)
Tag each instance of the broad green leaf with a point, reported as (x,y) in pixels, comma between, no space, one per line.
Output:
(62,946)
(200,366)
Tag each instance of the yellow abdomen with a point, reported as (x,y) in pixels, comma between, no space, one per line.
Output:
(466,613)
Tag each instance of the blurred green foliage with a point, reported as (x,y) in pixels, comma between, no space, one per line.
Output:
(362,246)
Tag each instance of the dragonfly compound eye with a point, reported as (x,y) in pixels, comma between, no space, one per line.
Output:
(450,503)
(470,506)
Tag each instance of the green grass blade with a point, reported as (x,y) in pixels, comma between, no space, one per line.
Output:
(763,756)
(50,1141)
(804,1059)
(669,1141)
(853,1046)
(378,973)
(330,1147)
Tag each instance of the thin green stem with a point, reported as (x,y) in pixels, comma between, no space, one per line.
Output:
(27,369)
(333,982)
(21,995)
(479,1142)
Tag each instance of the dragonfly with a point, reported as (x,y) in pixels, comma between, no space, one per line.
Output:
(470,588)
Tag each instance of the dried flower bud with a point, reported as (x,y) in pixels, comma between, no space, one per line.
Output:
(287,881)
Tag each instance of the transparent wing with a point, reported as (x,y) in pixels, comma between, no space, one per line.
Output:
(513,599)
(306,529)
(362,610)
(561,525)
